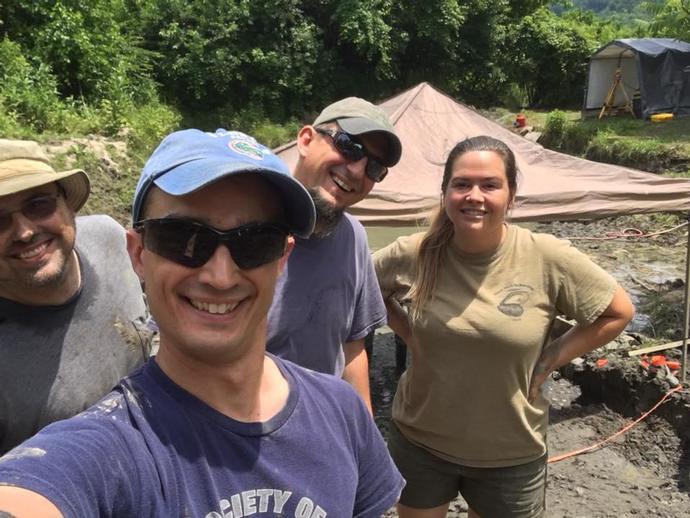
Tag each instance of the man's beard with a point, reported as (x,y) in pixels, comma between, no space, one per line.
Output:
(327,216)
(57,272)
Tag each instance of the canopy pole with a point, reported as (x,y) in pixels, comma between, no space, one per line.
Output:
(684,362)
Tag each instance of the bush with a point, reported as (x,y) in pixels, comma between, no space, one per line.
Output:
(641,153)
(554,130)
(515,97)
(28,92)
(577,138)
(274,135)
(148,124)
(88,45)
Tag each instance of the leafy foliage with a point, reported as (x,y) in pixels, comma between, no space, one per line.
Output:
(554,130)
(549,58)
(86,45)
(232,54)
(624,12)
(671,18)
(91,66)
(639,144)
(28,91)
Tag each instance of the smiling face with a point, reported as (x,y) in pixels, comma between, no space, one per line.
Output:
(217,312)
(37,263)
(477,199)
(339,182)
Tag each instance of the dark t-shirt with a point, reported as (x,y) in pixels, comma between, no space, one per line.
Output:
(327,296)
(56,361)
(152,449)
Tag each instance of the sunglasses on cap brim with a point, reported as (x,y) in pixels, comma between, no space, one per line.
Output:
(192,244)
(353,150)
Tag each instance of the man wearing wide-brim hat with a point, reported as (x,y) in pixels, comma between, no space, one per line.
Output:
(70,307)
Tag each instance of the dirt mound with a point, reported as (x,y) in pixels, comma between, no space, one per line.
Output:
(645,472)
(109,167)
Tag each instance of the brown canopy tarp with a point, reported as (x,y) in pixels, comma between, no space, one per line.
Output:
(552,186)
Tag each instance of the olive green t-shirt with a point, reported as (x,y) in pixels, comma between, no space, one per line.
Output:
(464,396)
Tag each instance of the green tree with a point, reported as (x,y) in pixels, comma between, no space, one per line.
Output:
(459,45)
(232,54)
(284,57)
(86,45)
(671,18)
(28,91)
(547,56)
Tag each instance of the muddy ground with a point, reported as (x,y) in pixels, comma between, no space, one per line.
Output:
(646,471)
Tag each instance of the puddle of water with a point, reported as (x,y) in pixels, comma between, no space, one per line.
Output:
(379,237)
(640,268)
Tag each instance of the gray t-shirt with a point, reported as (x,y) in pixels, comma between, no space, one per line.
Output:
(327,296)
(55,361)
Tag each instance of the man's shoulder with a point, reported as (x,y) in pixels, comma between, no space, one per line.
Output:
(96,427)
(99,231)
(356,227)
(347,238)
(318,382)
(100,222)
(102,242)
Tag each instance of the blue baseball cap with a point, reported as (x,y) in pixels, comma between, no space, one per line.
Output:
(191,159)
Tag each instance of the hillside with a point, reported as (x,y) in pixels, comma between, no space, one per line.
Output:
(619,10)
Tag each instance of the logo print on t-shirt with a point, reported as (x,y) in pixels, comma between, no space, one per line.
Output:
(513,303)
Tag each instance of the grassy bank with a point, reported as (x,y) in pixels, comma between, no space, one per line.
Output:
(114,159)
(657,147)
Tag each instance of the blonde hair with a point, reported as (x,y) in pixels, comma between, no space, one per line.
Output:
(430,255)
(432,249)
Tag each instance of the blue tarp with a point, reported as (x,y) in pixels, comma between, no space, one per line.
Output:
(650,46)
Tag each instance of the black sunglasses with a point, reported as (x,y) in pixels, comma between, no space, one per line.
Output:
(34,209)
(353,150)
(192,244)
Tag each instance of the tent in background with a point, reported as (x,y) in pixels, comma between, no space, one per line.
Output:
(657,68)
(552,186)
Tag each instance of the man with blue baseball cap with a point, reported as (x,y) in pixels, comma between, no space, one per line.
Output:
(212,426)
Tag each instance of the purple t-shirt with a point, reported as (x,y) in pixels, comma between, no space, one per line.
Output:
(150,448)
(327,296)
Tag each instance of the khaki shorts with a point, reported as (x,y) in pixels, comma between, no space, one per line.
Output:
(516,491)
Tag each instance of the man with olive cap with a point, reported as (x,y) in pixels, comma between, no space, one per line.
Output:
(212,426)
(328,299)
(71,311)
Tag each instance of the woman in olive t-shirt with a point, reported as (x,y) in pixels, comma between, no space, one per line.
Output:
(481,296)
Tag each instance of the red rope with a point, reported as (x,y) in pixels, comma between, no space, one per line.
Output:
(600,444)
(626,234)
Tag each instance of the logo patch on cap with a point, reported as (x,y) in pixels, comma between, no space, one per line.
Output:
(247,148)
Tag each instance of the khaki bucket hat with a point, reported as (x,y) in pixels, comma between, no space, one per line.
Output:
(24,165)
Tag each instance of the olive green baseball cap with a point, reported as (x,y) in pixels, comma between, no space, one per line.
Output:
(357,117)
(24,165)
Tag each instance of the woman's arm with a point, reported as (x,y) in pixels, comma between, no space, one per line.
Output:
(399,322)
(582,339)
